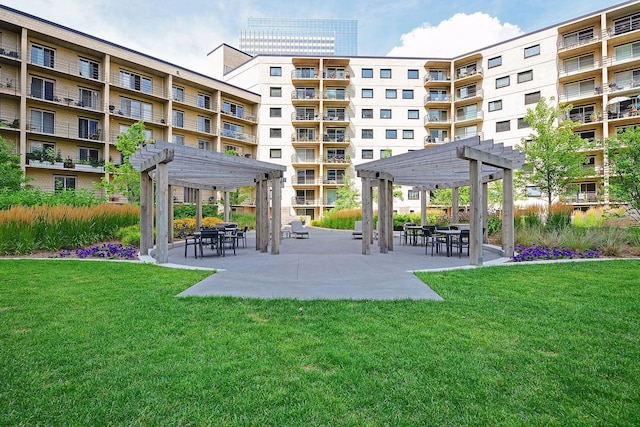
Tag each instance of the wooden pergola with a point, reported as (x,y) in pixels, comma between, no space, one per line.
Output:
(467,162)
(170,164)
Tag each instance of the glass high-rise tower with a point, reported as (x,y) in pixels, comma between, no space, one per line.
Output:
(299,36)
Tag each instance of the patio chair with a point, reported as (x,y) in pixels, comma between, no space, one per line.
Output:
(428,237)
(439,239)
(357,230)
(191,241)
(229,239)
(462,241)
(298,231)
(242,235)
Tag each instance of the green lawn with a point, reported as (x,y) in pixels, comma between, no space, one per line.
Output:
(86,343)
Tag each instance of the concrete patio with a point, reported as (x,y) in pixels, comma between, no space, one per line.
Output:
(328,265)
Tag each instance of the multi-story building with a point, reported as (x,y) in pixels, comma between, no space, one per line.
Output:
(300,36)
(317,114)
(66,96)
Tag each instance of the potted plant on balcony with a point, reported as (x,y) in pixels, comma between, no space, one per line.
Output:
(68,163)
(594,116)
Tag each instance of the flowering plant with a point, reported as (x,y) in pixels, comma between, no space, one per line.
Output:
(106,251)
(536,252)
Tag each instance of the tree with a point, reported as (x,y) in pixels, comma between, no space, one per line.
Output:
(11,174)
(554,153)
(124,178)
(444,197)
(623,150)
(347,196)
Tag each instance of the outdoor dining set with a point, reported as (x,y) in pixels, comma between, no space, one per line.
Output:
(437,237)
(224,237)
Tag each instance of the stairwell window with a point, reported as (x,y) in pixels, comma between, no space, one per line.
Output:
(495,105)
(385,73)
(531,98)
(502,82)
(494,62)
(525,76)
(531,51)
(275,71)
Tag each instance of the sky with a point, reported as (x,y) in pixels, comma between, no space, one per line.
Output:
(184,32)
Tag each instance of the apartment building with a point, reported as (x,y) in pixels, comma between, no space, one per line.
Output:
(318,115)
(66,96)
(322,115)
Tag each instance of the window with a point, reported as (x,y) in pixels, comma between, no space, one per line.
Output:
(367,73)
(204,101)
(87,98)
(367,113)
(385,73)
(494,62)
(204,144)
(585,62)
(385,153)
(413,74)
(467,92)
(391,94)
(438,116)
(577,38)
(531,51)
(385,113)
(367,133)
(531,98)
(88,68)
(44,56)
(87,154)
(42,88)
(502,82)
(413,195)
(275,133)
(391,134)
(532,191)
(135,109)
(177,117)
(525,76)
(367,93)
(275,153)
(413,114)
(334,134)
(495,105)
(275,71)
(233,109)
(407,93)
(305,72)
(335,176)
(305,93)
(335,114)
(336,93)
(522,123)
(88,128)
(148,133)
(275,112)
(305,134)
(466,70)
(135,81)
(61,182)
(468,112)
(177,93)
(42,121)
(367,154)
(275,92)
(503,126)
(407,134)
(204,124)
(178,139)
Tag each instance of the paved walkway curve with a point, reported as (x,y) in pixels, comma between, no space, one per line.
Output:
(328,265)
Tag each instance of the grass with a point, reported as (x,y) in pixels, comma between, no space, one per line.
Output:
(551,344)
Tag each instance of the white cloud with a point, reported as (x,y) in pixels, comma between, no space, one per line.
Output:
(457,35)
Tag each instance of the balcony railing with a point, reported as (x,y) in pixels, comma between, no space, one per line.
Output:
(336,75)
(463,73)
(336,97)
(584,197)
(584,117)
(296,180)
(195,101)
(435,140)
(40,159)
(469,135)
(304,96)
(622,59)
(623,27)
(305,117)
(242,116)
(71,99)
(296,159)
(9,51)
(240,136)
(65,66)
(443,79)
(296,138)
(336,138)
(66,130)
(136,115)
(465,117)
(336,181)
(9,86)
(566,45)
(336,117)
(337,159)
(304,75)
(469,94)
(436,120)
(437,98)
(619,85)
(593,170)
(580,94)
(155,90)
(563,71)
(306,201)
(195,126)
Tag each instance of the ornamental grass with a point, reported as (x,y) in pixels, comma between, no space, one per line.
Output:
(24,230)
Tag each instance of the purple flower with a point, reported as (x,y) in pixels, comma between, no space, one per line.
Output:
(537,252)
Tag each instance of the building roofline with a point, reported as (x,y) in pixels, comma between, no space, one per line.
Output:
(65,28)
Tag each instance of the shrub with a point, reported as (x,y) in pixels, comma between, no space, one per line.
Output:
(494,223)
(343,219)
(188,210)
(36,197)
(559,216)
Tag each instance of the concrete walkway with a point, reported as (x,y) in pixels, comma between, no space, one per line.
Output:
(328,265)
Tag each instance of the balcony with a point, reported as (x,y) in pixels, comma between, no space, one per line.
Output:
(470,117)
(304,160)
(338,98)
(8,123)
(466,74)
(336,159)
(197,102)
(620,86)
(296,180)
(468,95)
(584,197)
(564,71)
(580,94)
(9,87)
(432,140)
(304,75)
(307,96)
(336,117)
(565,45)
(334,181)
(70,100)
(195,126)
(247,117)
(10,52)
(40,159)
(66,67)
(305,201)
(469,135)
(302,140)
(238,136)
(66,130)
(138,115)
(155,90)
(433,99)
(305,117)
(593,170)
(336,139)
(430,80)
(624,26)
(436,120)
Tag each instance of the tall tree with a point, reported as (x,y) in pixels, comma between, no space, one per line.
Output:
(124,178)
(347,195)
(623,150)
(11,174)
(555,154)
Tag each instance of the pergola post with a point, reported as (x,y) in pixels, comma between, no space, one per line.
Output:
(170,214)
(475,234)
(383,218)
(508,234)
(455,205)
(146,213)
(367,216)
(423,207)
(198,209)
(276,222)
(390,212)
(227,207)
(162,204)
(263,220)
(485,212)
